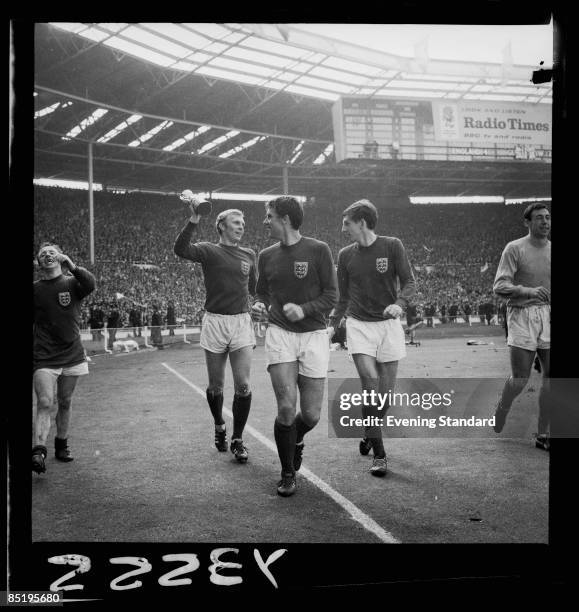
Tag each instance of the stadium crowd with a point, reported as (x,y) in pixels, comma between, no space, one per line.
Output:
(454,249)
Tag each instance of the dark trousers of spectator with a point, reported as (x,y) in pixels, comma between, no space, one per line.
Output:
(171,329)
(489,319)
(96,334)
(112,336)
(429,321)
(136,332)
(467,319)
(156,337)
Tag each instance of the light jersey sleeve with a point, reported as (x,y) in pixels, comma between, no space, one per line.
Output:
(523,266)
(302,274)
(368,279)
(229,272)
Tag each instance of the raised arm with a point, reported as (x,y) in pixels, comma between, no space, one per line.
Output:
(183,247)
(85,280)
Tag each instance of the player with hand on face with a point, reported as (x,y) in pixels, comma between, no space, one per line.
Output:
(229,271)
(368,272)
(297,288)
(58,355)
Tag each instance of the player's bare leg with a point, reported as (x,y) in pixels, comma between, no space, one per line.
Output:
(521,363)
(542,440)
(215,363)
(65,389)
(369,373)
(44,388)
(311,398)
(284,378)
(240,361)
(387,373)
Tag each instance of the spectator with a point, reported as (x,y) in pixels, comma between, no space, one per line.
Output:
(113,322)
(135,321)
(96,322)
(156,323)
(467,310)
(453,312)
(481,313)
(170,318)
(489,310)
(430,311)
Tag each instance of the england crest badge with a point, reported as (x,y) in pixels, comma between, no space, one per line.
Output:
(301,269)
(382,264)
(64,298)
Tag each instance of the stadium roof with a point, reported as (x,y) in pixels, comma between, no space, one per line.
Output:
(231,107)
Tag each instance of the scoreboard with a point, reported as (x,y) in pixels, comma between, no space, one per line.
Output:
(388,128)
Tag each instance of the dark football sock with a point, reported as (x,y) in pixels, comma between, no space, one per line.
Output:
(301,428)
(374,432)
(215,401)
(241,405)
(60,443)
(378,446)
(285,439)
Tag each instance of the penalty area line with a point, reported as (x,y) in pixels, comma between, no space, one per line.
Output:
(355,513)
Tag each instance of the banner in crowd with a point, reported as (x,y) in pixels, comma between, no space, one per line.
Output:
(492,122)
(146,266)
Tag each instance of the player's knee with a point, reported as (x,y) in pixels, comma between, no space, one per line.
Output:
(368,382)
(519,382)
(64,401)
(311,420)
(44,402)
(242,390)
(215,389)
(286,414)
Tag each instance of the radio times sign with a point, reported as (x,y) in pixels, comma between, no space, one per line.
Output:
(492,122)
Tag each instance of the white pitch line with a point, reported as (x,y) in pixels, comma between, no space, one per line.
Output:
(368,523)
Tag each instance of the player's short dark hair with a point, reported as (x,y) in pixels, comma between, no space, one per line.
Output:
(363,209)
(528,214)
(286,205)
(49,244)
(222,216)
